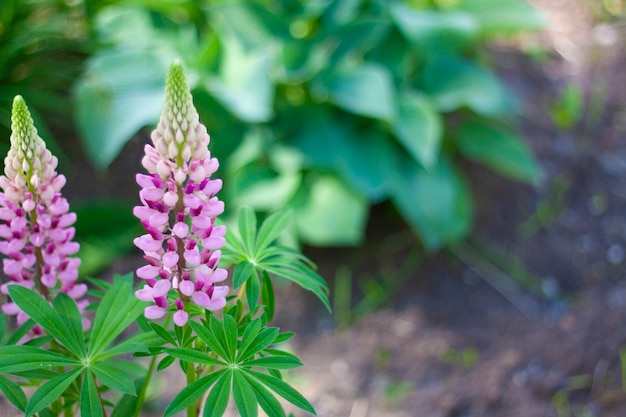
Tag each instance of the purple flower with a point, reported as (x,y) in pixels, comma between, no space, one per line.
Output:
(35,222)
(181,244)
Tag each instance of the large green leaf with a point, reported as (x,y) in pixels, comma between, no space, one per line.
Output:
(113,377)
(500,150)
(217,400)
(436,203)
(498,17)
(331,213)
(243,84)
(434,30)
(419,128)
(366,90)
(120,93)
(243,394)
(453,84)
(72,319)
(283,389)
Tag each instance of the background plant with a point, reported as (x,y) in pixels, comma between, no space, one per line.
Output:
(325,108)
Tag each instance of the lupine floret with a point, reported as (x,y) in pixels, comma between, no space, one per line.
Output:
(35,222)
(178,211)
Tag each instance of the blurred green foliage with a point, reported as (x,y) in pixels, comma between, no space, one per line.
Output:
(326,107)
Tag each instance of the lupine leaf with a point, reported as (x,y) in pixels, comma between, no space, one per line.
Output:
(163,333)
(283,337)
(192,355)
(21,332)
(209,338)
(27,358)
(89,401)
(3,326)
(267,295)
(192,392)
(50,391)
(283,389)
(271,228)
(113,377)
(47,317)
(217,328)
(265,338)
(249,334)
(244,397)
(274,362)
(302,279)
(165,363)
(230,335)
(13,393)
(252,293)
(247,229)
(217,401)
(71,317)
(266,399)
(242,273)
(118,309)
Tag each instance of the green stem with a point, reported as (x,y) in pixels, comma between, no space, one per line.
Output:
(144,387)
(192,410)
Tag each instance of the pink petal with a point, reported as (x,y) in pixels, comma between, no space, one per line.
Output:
(180,318)
(148,272)
(10,309)
(170,259)
(180,229)
(154,312)
(144,294)
(147,244)
(161,288)
(186,288)
(213,242)
(219,275)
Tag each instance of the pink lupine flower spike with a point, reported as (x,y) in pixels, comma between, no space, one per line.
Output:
(178,211)
(35,221)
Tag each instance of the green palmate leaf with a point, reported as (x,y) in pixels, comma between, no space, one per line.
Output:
(192,392)
(274,362)
(194,356)
(50,391)
(211,339)
(230,335)
(89,400)
(47,317)
(283,389)
(262,340)
(419,128)
(165,363)
(250,332)
(4,324)
(139,343)
(502,151)
(437,203)
(118,309)
(247,228)
(73,320)
(13,393)
(164,334)
(303,279)
(366,90)
(271,228)
(244,396)
(21,332)
(244,270)
(267,295)
(266,400)
(330,213)
(217,400)
(253,289)
(113,377)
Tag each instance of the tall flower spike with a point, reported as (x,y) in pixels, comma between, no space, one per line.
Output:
(178,211)
(35,220)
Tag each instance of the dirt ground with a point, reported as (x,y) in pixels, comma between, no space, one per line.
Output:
(458,340)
